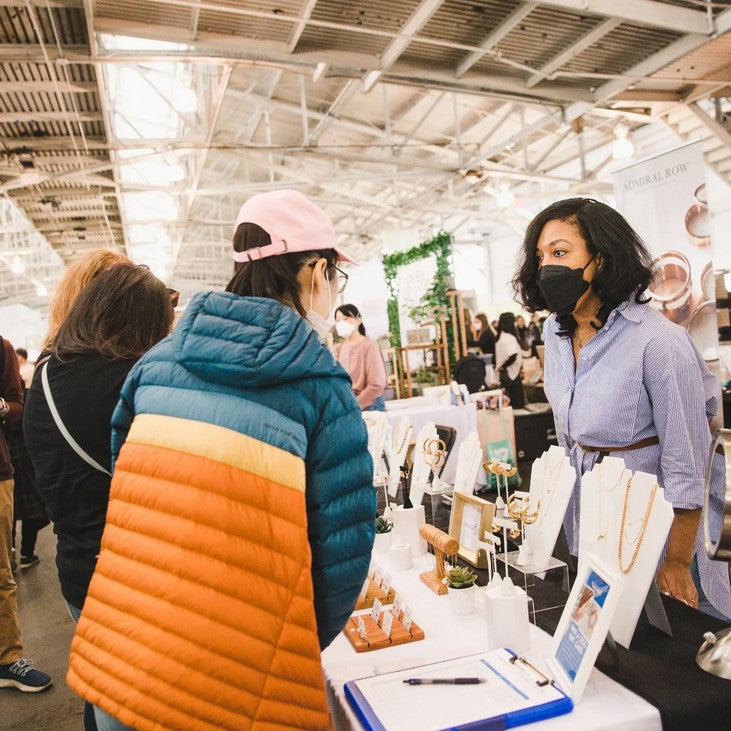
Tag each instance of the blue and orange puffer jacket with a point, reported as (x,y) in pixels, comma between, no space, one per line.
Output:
(239,527)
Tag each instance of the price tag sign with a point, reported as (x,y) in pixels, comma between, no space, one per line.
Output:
(376,609)
(407,619)
(386,584)
(364,588)
(387,623)
(397,604)
(378,576)
(361,628)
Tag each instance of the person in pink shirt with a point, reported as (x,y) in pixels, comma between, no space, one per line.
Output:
(362,358)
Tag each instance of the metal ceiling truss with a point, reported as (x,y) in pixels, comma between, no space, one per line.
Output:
(287,100)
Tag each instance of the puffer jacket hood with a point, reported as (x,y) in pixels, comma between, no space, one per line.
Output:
(249,341)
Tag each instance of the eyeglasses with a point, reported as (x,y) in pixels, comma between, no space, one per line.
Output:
(342,277)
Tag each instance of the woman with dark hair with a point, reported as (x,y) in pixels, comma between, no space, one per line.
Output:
(481,336)
(621,378)
(240,520)
(120,314)
(509,360)
(362,359)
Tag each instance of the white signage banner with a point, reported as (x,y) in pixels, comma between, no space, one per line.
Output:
(664,199)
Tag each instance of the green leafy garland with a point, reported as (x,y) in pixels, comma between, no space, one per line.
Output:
(434,303)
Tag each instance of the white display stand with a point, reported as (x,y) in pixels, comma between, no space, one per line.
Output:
(552,482)
(469,460)
(603,493)
(406,525)
(396,449)
(377,425)
(421,469)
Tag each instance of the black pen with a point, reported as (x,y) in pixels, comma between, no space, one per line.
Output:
(444,681)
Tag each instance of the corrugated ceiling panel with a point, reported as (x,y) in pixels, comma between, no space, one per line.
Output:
(621,49)
(544,34)
(314,39)
(246,27)
(145,11)
(378,14)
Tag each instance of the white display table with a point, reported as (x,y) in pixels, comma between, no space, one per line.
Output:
(604,705)
(462,418)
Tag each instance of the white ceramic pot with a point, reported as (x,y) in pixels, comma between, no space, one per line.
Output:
(462,600)
(382,542)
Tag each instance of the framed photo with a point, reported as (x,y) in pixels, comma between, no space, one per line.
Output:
(584,625)
(471,516)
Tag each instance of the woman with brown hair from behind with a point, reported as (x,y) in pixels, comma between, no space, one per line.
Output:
(77,276)
(115,319)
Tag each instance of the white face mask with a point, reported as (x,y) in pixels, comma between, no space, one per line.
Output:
(321,325)
(344,328)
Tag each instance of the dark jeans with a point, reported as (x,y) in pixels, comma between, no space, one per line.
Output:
(89,721)
(378,405)
(28,534)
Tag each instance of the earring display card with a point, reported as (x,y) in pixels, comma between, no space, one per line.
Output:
(374,592)
(376,637)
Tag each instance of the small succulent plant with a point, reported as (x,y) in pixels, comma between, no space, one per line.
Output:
(460,578)
(382,525)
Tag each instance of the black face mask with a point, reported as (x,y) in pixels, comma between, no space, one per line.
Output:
(562,287)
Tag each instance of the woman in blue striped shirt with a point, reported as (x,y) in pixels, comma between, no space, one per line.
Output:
(622,378)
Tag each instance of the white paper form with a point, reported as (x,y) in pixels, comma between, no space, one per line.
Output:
(402,707)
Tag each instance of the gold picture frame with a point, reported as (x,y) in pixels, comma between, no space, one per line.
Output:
(471,517)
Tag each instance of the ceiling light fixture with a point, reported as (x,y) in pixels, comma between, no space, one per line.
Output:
(41,290)
(17,266)
(622,147)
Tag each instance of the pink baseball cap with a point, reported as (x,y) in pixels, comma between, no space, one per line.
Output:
(292,222)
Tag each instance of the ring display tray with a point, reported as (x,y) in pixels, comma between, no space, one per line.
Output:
(554,564)
(376,638)
(375,592)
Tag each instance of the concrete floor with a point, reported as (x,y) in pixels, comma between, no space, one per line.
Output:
(47,630)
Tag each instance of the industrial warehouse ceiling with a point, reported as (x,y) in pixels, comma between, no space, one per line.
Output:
(144,125)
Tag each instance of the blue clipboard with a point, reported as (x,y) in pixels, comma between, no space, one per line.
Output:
(368,716)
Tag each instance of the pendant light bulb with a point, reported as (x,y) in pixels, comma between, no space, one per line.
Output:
(17,266)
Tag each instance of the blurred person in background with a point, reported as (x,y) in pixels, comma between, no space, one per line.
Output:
(26,368)
(121,313)
(362,359)
(240,520)
(481,336)
(15,670)
(30,509)
(509,360)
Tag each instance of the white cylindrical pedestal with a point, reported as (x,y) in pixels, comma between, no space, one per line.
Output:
(462,600)
(406,523)
(400,557)
(506,609)
(382,542)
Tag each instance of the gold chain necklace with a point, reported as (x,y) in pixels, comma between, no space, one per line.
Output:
(403,440)
(549,476)
(602,535)
(641,535)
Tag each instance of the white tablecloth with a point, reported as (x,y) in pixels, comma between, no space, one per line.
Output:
(604,705)
(462,418)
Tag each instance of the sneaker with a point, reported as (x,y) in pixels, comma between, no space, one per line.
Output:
(22,675)
(27,561)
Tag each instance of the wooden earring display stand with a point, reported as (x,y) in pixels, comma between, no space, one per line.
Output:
(376,638)
(443,544)
(375,592)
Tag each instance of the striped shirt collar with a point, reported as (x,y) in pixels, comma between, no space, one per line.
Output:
(630,310)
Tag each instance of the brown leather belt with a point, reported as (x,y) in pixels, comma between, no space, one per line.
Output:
(637,445)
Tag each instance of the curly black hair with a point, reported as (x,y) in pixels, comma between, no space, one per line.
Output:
(626,264)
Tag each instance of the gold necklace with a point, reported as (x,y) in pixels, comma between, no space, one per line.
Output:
(641,535)
(403,440)
(549,476)
(434,450)
(602,535)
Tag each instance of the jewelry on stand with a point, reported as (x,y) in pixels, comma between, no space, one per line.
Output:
(548,489)
(604,530)
(397,450)
(623,527)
